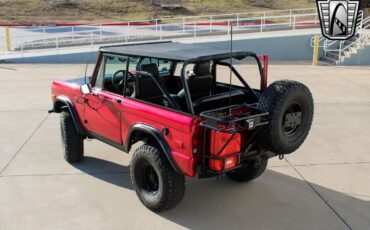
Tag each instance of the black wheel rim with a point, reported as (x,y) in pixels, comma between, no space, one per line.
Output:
(150,179)
(292,118)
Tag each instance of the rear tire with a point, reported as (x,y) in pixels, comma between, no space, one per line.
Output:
(248,171)
(156,183)
(284,134)
(72,141)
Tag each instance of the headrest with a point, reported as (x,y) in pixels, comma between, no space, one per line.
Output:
(150,68)
(202,68)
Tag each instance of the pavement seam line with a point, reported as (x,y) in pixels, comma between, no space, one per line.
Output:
(7,68)
(22,110)
(343,103)
(66,174)
(354,83)
(320,196)
(320,164)
(24,143)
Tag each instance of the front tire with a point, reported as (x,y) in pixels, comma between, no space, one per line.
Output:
(72,141)
(248,171)
(156,183)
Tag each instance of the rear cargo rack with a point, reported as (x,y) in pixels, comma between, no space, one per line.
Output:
(234,118)
(231,120)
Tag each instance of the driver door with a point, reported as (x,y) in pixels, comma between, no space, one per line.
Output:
(103,107)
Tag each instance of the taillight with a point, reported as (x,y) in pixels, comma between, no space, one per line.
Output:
(53,97)
(196,141)
(197,138)
(194,144)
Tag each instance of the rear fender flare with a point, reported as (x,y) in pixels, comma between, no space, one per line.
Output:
(158,136)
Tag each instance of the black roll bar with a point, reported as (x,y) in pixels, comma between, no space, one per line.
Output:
(161,87)
(239,77)
(218,59)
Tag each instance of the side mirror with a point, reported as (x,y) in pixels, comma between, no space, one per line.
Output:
(85,89)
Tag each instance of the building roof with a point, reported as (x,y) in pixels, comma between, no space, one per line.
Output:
(177,51)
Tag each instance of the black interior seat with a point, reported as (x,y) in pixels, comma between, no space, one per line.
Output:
(145,87)
(200,83)
(108,86)
(218,101)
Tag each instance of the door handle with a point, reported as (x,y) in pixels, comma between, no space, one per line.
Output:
(119,101)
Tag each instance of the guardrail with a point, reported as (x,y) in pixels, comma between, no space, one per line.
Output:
(27,38)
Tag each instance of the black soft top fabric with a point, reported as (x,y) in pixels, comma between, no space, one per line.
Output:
(177,51)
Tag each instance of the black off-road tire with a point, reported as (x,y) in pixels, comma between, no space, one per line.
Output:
(278,99)
(72,141)
(248,171)
(170,187)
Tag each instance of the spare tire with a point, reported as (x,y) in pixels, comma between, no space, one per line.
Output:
(291,108)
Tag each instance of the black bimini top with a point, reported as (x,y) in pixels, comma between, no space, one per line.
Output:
(177,51)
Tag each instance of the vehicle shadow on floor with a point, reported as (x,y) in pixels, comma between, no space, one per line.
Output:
(103,170)
(273,201)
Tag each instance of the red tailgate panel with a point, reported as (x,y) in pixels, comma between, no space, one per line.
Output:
(218,140)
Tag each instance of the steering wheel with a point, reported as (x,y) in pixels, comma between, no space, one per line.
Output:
(119,84)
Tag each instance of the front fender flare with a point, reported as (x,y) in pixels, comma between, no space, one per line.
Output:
(64,103)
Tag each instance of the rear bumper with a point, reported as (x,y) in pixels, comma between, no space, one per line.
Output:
(253,155)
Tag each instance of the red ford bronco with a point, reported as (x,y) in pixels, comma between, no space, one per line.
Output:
(171,97)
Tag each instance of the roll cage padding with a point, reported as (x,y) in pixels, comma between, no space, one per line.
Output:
(64,103)
(158,137)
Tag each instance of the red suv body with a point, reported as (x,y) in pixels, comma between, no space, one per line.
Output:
(170,96)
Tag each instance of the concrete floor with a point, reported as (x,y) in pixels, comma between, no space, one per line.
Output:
(324,185)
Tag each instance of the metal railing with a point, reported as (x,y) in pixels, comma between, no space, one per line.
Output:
(340,48)
(326,43)
(359,30)
(26,38)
